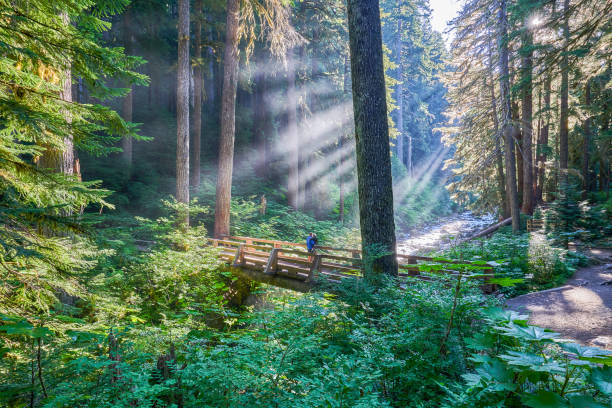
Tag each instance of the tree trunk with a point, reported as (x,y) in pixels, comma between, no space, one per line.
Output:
(260,118)
(126,107)
(527,119)
(586,142)
(197,96)
(182,107)
(228,121)
(399,92)
(62,161)
(563,125)
(293,182)
(346,135)
(372,138)
(518,138)
(501,183)
(543,141)
(507,126)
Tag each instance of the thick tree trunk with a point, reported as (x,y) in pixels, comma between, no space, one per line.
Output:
(563,125)
(586,141)
(182,107)
(372,137)
(197,97)
(62,161)
(398,94)
(543,142)
(293,181)
(126,107)
(527,125)
(228,121)
(508,129)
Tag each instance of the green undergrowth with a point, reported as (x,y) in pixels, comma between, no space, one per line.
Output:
(523,263)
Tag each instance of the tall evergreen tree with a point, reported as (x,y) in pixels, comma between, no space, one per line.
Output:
(182,106)
(372,136)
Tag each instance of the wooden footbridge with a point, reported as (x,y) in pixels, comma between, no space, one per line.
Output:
(289,265)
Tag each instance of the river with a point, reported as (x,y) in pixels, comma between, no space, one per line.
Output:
(439,235)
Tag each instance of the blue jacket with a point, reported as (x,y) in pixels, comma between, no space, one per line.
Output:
(310,243)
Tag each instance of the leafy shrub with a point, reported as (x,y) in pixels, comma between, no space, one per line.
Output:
(520,365)
(524,262)
(362,347)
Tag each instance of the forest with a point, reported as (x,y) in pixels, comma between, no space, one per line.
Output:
(305,203)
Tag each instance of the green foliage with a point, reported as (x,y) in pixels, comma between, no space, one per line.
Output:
(363,347)
(521,365)
(524,263)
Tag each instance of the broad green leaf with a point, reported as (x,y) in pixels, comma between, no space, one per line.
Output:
(602,379)
(545,399)
(585,401)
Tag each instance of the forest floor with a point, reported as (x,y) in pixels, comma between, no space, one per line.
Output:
(580,310)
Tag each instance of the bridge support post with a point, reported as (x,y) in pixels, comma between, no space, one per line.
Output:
(239,258)
(272,264)
(314,266)
(413,270)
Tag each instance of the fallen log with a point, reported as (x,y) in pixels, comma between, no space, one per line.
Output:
(487,231)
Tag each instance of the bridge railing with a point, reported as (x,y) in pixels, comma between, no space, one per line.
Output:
(288,259)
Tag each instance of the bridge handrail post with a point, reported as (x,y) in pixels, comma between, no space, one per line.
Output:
(272,264)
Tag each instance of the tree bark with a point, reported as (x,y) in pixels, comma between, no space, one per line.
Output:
(372,138)
(587,141)
(62,161)
(507,127)
(127,105)
(293,181)
(228,121)
(501,183)
(399,90)
(182,108)
(527,122)
(543,141)
(518,138)
(197,96)
(259,121)
(563,125)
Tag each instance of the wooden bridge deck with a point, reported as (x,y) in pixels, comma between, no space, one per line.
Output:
(289,265)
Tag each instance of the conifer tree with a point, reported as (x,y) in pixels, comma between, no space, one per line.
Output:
(372,136)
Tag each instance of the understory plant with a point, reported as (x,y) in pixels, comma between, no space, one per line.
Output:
(518,365)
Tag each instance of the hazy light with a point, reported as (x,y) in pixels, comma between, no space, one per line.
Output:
(534,21)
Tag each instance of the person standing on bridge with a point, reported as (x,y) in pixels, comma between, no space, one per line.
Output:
(311,242)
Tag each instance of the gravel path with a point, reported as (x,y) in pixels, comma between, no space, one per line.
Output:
(581,310)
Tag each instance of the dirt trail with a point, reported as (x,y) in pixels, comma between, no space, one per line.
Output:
(581,310)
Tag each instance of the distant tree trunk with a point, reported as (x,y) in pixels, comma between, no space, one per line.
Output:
(501,183)
(197,96)
(182,107)
(293,181)
(543,141)
(62,161)
(228,121)
(526,120)
(126,108)
(507,126)
(587,141)
(372,137)
(563,125)
(518,138)
(399,92)
(259,121)
(345,91)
